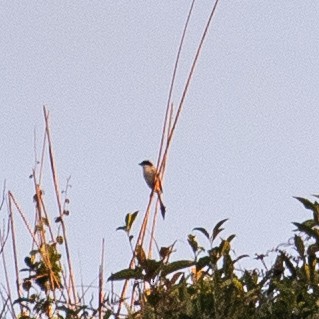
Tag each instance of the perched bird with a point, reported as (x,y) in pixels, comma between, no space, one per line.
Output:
(153,180)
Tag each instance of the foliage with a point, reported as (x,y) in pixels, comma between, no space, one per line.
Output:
(211,286)
(207,286)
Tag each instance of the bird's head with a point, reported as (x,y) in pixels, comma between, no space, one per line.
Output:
(146,163)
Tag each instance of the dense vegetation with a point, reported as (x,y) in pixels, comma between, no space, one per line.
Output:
(213,288)
(207,286)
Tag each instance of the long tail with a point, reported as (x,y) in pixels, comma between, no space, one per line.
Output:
(162,206)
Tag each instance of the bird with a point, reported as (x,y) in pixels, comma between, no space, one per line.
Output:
(153,181)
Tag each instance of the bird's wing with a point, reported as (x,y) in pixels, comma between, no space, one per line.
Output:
(158,184)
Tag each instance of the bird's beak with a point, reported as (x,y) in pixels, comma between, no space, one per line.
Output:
(140,164)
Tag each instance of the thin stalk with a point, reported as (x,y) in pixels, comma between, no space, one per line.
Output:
(58,198)
(42,156)
(173,81)
(190,75)
(168,116)
(11,197)
(14,248)
(6,275)
(101,280)
(152,238)
(139,241)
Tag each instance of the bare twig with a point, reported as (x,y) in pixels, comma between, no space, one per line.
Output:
(35,148)
(4,237)
(12,198)
(101,280)
(14,247)
(4,308)
(3,194)
(42,157)
(190,75)
(152,237)
(5,301)
(138,242)
(168,105)
(6,275)
(58,198)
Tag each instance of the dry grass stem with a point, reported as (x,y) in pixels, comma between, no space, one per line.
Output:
(73,300)
(14,247)
(101,280)
(169,126)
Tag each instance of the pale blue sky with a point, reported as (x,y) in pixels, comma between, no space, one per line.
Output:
(247,140)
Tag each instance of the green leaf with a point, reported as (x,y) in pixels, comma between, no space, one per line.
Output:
(140,255)
(165,252)
(58,219)
(107,314)
(214,255)
(289,265)
(193,242)
(312,206)
(230,238)
(307,203)
(151,268)
(59,240)
(312,249)
(240,257)
(153,298)
(238,284)
(176,276)
(300,246)
(309,223)
(24,269)
(126,274)
(28,262)
(129,220)
(250,278)
(308,231)
(316,213)
(202,262)
(176,265)
(217,228)
(20,300)
(203,231)
(224,247)
(228,265)
(34,252)
(26,285)
(278,267)
(226,283)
